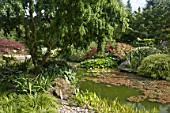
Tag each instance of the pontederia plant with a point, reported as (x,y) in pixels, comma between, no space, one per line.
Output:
(92,101)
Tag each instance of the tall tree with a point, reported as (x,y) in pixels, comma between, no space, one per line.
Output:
(129,5)
(56,23)
(152,23)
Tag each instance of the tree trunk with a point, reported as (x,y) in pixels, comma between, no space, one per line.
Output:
(100,46)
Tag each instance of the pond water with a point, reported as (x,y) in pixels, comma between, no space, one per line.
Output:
(111,92)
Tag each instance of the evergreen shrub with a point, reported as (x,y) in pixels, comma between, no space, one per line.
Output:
(155,66)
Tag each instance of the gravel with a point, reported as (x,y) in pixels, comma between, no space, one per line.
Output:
(66,108)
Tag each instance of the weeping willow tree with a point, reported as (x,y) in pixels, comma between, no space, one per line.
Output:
(56,23)
(108,20)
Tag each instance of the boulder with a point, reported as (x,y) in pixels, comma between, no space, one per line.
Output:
(62,89)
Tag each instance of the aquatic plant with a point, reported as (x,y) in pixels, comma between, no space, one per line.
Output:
(92,101)
(107,62)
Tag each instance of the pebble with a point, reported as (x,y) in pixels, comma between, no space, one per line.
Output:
(65,108)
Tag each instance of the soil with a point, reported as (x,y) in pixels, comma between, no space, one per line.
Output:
(152,90)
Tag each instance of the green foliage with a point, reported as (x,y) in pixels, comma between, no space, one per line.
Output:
(92,101)
(70,76)
(26,84)
(129,6)
(37,103)
(54,68)
(135,56)
(13,68)
(61,23)
(76,55)
(151,23)
(107,62)
(143,42)
(155,66)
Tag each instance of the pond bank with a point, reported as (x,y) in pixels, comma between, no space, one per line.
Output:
(157,91)
(153,90)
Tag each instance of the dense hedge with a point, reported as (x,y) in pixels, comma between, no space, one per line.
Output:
(155,66)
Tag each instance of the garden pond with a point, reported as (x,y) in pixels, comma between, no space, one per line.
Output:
(128,88)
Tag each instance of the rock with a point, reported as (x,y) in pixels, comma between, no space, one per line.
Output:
(61,89)
(123,66)
(15,57)
(73,109)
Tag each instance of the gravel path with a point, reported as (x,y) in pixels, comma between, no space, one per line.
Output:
(65,108)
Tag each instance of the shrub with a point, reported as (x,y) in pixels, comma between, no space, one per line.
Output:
(91,53)
(155,66)
(76,55)
(11,47)
(135,56)
(107,62)
(120,50)
(111,49)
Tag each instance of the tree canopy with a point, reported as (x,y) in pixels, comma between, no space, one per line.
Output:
(152,23)
(55,23)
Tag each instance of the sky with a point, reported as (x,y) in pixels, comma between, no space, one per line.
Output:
(136,4)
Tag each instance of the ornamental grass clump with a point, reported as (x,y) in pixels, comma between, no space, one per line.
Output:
(155,66)
(136,55)
(26,103)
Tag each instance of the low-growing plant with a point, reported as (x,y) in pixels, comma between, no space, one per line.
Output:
(92,101)
(28,103)
(155,66)
(26,84)
(135,56)
(107,62)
